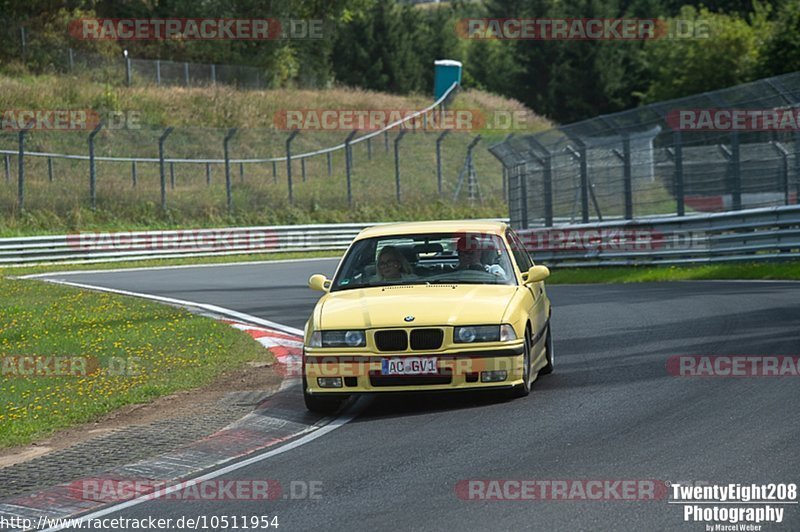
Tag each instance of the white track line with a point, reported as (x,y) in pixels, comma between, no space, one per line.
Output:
(333,425)
(184,303)
(173,267)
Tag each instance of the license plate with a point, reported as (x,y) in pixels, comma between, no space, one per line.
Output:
(409,366)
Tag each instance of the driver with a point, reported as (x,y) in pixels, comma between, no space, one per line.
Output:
(470,251)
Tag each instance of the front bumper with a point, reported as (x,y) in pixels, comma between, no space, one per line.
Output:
(459,370)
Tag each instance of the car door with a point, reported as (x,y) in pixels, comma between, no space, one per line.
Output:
(539,309)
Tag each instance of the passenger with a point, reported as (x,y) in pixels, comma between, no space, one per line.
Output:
(393,266)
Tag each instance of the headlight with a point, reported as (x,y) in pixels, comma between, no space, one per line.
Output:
(354,338)
(483,333)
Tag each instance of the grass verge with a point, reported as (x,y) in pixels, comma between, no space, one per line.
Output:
(638,274)
(94,353)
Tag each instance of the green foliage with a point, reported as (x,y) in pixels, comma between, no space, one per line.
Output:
(684,66)
(781,49)
(390,46)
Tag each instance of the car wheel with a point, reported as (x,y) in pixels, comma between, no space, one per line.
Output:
(521,390)
(321,405)
(548,346)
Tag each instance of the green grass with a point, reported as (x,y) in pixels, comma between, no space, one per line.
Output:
(121,350)
(637,274)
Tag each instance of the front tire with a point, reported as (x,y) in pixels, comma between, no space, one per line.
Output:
(524,389)
(548,353)
(321,405)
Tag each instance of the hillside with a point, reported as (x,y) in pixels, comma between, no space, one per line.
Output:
(201,117)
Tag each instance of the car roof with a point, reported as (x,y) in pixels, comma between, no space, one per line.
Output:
(445,226)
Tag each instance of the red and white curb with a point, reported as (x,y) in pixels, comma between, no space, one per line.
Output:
(285,347)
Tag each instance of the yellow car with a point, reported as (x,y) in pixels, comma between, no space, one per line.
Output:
(428,306)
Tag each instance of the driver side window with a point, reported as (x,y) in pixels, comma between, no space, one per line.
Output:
(521,256)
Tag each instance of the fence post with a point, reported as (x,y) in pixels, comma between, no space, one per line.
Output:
(369,149)
(677,140)
(92,169)
(547,179)
(158,72)
(213,74)
(736,172)
(397,162)
(330,164)
(386,140)
(133,174)
(50,169)
(289,163)
(21,171)
(172,176)
(627,175)
(523,185)
(348,165)
(186,73)
(8,168)
(275,172)
(505,171)
(161,168)
(71,60)
(228,191)
(241,172)
(439,140)
(208,174)
(784,153)
(128,73)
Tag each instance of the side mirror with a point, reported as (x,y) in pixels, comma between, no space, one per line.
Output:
(536,274)
(319,282)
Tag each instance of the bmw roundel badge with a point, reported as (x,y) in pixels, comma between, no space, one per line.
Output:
(408,318)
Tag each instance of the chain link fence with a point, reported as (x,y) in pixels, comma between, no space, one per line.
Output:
(661,159)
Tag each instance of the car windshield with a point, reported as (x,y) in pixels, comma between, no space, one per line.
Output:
(449,258)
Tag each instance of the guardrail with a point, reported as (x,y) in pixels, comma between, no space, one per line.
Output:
(94,247)
(766,234)
(753,235)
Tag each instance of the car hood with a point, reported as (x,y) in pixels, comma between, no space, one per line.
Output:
(430,305)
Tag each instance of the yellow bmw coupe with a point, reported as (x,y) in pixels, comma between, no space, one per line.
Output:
(428,306)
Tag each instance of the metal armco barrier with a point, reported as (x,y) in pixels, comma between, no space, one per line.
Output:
(93,247)
(766,234)
(752,235)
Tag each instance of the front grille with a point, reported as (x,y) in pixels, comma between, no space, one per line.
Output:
(391,340)
(377,380)
(426,339)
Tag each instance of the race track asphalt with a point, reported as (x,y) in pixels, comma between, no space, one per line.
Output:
(609,411)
